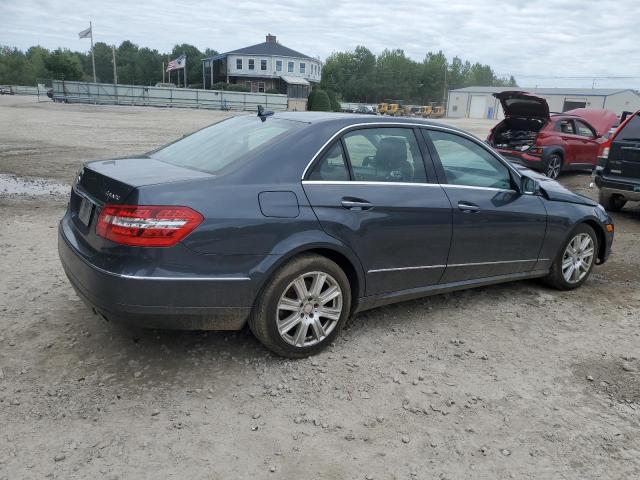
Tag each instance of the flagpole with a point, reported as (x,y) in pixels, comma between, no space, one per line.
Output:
(93,58)
(115,68)
(184,73)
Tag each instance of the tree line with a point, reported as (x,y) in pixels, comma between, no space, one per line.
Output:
(361,76)
(353,76)
(135,65)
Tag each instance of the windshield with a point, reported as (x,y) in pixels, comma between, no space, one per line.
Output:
(216,147)
(631,131)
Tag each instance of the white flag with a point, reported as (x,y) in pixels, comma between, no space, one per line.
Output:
(85,33)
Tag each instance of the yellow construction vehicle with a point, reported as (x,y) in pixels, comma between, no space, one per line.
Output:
(382,108)
(425,111)
(438,111)
(395,110)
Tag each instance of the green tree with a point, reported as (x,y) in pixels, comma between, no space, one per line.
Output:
(319,101)
(333,101)
(64,65)
(194,62)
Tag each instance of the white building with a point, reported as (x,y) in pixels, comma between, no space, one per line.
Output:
(479,102)
(265,67)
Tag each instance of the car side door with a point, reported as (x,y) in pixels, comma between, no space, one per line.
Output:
(588,152)
(497,230)
(572,143)
(369,188)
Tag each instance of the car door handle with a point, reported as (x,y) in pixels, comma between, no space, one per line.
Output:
(468,207)
(356,204)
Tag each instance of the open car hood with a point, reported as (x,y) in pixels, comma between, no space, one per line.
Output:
(553,190)
(600,119)
(523,104)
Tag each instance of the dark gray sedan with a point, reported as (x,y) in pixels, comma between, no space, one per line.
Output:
(295,221)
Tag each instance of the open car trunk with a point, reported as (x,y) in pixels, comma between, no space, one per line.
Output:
(525,115)
(515,133)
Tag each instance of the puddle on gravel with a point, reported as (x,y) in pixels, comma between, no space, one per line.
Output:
(31,187)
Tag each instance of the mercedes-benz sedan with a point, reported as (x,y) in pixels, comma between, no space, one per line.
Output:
(295,221)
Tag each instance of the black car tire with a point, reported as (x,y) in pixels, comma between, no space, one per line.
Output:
(613,203)
(555,278)
(553,166)
(264,319)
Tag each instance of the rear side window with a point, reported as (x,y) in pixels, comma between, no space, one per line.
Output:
(466,163)
(332,167)
(216,147)
(631,131)
(385,155)
(565,126)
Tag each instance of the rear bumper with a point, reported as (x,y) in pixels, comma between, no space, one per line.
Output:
(214,303)
(628,188)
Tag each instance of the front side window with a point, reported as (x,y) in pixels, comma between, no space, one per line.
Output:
(278,65)
(251,64)
(385,155)
(302,67)
(332,167)
(214,148)
(290,67)
(239,64)
(263,64)
(467,163)
(584,130)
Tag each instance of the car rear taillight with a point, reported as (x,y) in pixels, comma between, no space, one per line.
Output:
(147,225)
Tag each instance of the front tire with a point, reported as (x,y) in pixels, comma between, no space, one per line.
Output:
(612,203)
(303,307)
(553,166)
(576,259)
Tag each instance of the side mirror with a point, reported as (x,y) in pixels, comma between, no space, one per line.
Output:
(529,186)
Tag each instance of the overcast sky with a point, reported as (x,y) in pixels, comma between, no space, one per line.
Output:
(532,39)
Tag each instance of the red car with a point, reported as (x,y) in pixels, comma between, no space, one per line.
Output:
(531,136)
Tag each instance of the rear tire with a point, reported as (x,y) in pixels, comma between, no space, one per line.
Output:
(613,203)
(292,316)
(553,166)
(574,263)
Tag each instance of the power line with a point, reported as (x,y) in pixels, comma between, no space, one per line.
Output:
(574,77)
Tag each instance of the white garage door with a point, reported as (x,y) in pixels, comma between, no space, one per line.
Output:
(477,108)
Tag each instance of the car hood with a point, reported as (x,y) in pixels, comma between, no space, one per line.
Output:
(523,104)
(600,119)
(553,190)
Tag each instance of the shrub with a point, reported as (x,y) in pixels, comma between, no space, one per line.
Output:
(318,101)
(231,87)
(333,100)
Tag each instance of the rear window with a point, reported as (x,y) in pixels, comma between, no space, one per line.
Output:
(214,148)
(631,131)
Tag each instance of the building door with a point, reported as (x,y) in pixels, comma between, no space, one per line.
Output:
(572,103)
(478,106)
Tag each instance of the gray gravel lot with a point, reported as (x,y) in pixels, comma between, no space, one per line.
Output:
(510,381)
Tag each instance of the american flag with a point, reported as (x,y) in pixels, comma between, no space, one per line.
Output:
(177,63)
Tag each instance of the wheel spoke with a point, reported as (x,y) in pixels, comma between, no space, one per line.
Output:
(586,253)
(289,322)
(566,263)
(318,329)
(301,334)
(586,242)
(329,295)
(330,313)
(318,282)
(576,273)
(569,272)
(300,288)
(287,303)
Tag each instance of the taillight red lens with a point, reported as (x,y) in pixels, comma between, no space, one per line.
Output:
(146,225)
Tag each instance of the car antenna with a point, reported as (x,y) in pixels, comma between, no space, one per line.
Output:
(263,114)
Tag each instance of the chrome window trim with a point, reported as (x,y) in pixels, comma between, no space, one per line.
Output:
(411,125)
(363,182)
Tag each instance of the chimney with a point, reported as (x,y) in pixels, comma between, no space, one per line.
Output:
(271,38)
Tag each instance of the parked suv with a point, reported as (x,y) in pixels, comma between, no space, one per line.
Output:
(618,171)
(531,136)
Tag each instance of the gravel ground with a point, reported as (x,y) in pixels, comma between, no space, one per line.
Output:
(510,381)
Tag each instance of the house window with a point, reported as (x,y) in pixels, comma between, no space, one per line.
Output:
(302,67)
(261,87)
(278,65)
(251,64)
(263,64)
(239,64)
(290,67)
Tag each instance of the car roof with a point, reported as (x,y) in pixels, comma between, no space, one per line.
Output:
(342,120)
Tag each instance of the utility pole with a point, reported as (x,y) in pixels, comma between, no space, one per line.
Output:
(93,58)
(184,70)
(115,68)
(444,88)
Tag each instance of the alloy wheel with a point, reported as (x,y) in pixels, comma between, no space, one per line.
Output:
(553,167)
(578,257)
(309,309)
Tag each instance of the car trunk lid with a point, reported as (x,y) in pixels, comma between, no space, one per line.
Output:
(523,104)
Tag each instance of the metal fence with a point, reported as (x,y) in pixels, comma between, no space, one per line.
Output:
(20,89)
(110,94)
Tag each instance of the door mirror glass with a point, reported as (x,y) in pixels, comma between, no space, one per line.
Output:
(529,186)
